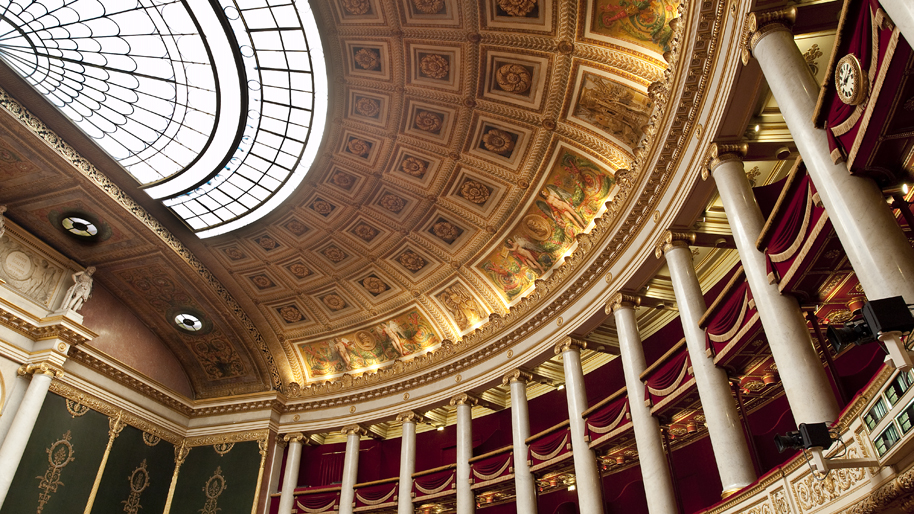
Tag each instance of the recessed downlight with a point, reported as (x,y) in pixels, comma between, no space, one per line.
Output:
(189,322)
(79,226)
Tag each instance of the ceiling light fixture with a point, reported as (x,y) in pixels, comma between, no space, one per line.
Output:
(188,322)
(79,226)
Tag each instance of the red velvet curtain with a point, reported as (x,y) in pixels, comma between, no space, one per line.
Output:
(433,481)
(606,416)
(727,316)
(318,500)
(332,468)
(491,466)
(666,378)
(376,493)
(789,227)
(554,443)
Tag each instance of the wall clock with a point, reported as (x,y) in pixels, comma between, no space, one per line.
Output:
(850,80)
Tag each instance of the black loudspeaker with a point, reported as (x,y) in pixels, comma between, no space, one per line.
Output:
(888,315)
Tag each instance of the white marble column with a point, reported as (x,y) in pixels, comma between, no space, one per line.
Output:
(587,474)
(466,500)
(350,467)
(805,383)
(902,14)
(24,421)
(658,484)
(290,477)
(876,246)
(407,462)
(524,483)
(731,451)
(15,393)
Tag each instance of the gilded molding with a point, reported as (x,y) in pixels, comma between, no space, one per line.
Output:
(40,368)
(295,437)
(463,399)
(569,344)
(622,300)
(516,375)
(408,417)
(671,239)
(760,24)
(236,437)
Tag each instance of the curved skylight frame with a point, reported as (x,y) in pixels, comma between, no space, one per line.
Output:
(259,146)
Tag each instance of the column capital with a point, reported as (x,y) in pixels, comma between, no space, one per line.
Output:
(516,375)
(719,153)
(622,300)
(760,24)
(40,368)
(463,399)
(569,344)
(671,239)
(354,429)
(408,417)
(294,437)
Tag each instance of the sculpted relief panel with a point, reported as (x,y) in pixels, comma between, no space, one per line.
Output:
(367,349)
(570,197)
(614,110)
(28,272)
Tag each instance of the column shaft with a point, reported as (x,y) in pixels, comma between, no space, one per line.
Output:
(14,396)
(658,484)
(350,472)
(21,429)
(805,383)
(524,483)
(876,246)
(587,475)
(734,463)
(407,468)
(466,500)
(902,14)
(290,476)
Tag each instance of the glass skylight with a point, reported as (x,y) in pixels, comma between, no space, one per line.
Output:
(217,127)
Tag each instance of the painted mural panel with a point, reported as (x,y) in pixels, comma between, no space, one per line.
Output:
(570,198)
(401,336)
(643,22)
(617,110)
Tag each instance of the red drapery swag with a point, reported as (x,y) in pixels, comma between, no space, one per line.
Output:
(728,319)
(608,418)
(664,380)
(434,481)
(492,467)
(319,501)
(549,446)
(372,494)
(792,228)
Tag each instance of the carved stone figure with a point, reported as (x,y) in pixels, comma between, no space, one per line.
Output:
(80,291)
(461,305)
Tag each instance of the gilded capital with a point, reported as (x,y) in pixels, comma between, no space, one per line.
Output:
(354,429)
(569,344)
(760,24)
(295,437)
(720,153)
(622,300)
(408,417)
(671,239)
(181,452)
(463,399)
(516,375)
(41,368)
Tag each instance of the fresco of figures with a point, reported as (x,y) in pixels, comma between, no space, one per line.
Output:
(643,22)
(401,336)
(570,198)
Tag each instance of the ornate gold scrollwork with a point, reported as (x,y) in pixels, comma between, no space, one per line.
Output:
(139,481)
(408,417)
(354,429)
(60,453)
(569,343)
(463,399)
(760,24)
(40,368)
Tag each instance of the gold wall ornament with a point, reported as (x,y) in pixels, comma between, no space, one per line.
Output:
(139,481)
(76,409)
(213,489)
(223,448)
(559,321)
(295,437)
(354,429)
(622,300)
(40,368)
(510,354)
(760,24)
(150,440)
(352,409)
(181,452)
(720,153)
(60,453)
(405,396)
(408,417)
(115,426)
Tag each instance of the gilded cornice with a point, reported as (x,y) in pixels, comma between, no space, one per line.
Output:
(235,437)
(671,239)
(516,375)
(71,393)
(56,330)
(621,300)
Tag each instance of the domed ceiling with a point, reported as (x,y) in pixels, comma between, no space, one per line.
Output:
(468,146)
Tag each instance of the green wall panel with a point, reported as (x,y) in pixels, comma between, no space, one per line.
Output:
(239,468)
(88,438)
(127,454)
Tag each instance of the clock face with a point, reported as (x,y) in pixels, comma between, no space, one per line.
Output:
(850,81)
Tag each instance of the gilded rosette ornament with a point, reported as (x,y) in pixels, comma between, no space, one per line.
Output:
(60,453)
